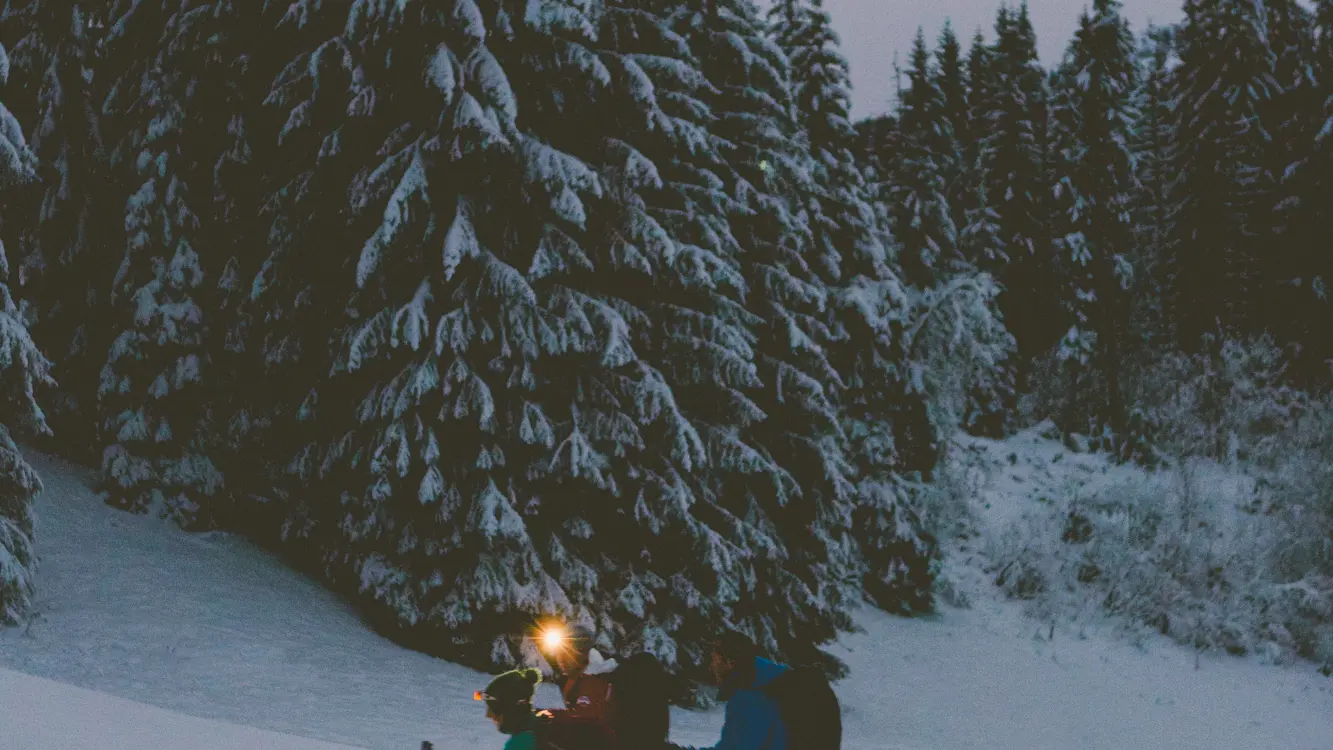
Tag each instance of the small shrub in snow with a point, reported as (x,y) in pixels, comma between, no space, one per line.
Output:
(1183,552)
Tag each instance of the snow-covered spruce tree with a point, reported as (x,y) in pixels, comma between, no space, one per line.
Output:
(298,296)
(494,466)
(1016,120)
(693,329)
(410,493)
(69,245)
(234,53)
(23,369)
(1151,140)
(658,252)
(922,178)
(1094,171)
(888,426)
(153,404)
(799,477)
(979,65)
(980,230)
(1294,302)
(1314,183)
(950,79)
(1219,88)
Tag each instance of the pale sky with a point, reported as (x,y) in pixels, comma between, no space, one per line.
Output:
(871,30)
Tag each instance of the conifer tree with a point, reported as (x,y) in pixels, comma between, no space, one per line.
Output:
(1017,124)
(235,53)
(888,426)
(1292,304)
(63,256)
(800,475)
(979,65)
(1312,213)
(1220,87)
(690,573)
(298,295)
(24,369)
(154,408)
(673,271)
(980,232)
(1095,183)
(951,81)
(1151,140)
(924,219)
(419,485)
(532,349)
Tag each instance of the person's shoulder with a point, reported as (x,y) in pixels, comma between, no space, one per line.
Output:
(522,741)
(748,699)
(766,672)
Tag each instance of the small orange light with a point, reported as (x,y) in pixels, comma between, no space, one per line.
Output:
(478,696)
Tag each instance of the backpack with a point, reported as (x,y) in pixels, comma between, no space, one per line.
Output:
(572,733)
(809,709)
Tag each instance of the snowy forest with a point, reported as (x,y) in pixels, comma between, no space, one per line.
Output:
(483,311)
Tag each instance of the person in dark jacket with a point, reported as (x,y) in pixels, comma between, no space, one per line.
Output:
(586,690)
(753,720)
(586,687)
(640,715)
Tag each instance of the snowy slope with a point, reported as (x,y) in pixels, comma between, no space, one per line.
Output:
(43,713)
(208,626)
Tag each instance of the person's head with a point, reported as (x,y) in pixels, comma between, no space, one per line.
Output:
(640,714)
(573,658)
(732,651)
(509,699)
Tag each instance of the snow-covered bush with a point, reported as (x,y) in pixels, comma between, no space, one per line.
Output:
(947,515)
(1073,399)
(1198,552)
(1230,401)
(956,347)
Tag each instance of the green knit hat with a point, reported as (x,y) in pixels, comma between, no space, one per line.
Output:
(512,688)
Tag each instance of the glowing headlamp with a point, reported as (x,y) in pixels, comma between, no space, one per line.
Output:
(553,637)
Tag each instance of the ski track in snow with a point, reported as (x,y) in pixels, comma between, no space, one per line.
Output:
(209,626)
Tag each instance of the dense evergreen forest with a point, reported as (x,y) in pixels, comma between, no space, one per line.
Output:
(489,310)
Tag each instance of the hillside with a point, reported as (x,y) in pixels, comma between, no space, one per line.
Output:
(210,627)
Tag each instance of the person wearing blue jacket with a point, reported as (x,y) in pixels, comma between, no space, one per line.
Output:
(752,720)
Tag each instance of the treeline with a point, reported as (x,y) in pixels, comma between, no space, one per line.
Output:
(487,310)
(1149,196)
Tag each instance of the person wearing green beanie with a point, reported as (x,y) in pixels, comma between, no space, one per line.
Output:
(509,704)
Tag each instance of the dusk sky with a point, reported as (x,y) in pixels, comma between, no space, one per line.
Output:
(871,30)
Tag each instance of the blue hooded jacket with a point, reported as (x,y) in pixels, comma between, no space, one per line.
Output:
(752,720)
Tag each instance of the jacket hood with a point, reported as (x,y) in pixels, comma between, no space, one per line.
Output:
(765,672)
(598,665)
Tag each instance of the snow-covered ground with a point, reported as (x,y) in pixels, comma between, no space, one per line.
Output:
(41,713)
(210,627)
